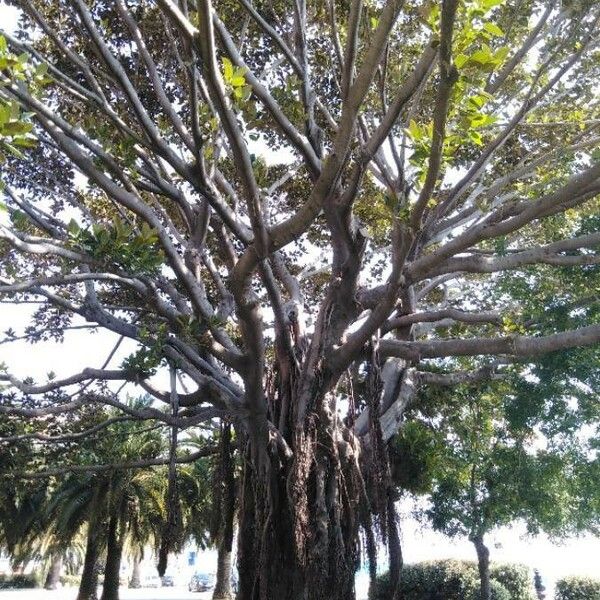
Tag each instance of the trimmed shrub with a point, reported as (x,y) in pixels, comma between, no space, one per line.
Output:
(455,580)
(70,580)
(577,588)
(20,582)
(516,579)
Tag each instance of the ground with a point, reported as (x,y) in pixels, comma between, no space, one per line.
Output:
(174,593)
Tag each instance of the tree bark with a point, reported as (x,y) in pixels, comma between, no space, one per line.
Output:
(53,577)
(292,548)
(223,589)
(114,551)
(483,563)
(88,588)
(396,560)
(136,576)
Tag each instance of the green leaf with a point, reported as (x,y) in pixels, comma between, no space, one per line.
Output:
(227,69)
(501,53)
(483,56)
(25,142)
(41,69)
(461,60)
(73,227)
(238,81)
(493,29)
(415,131)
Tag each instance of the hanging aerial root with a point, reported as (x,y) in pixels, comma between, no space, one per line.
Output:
(297,487)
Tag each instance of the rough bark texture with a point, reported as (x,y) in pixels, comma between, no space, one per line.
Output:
(53,577)
(299,522)
(114,552)
(89,577)
(483,563)
(135,581)
(223,589)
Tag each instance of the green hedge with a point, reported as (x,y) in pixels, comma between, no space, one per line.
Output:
(19,581)
(577,588)
(515,578)
(456,580)
(70,580)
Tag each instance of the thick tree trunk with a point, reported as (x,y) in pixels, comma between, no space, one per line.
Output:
(89,577)
(292,548)
(53,577)
(114,551)
(483,562)
(136,576)
(223,589)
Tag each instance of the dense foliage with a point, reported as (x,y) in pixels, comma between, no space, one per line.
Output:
(455,580)
(577,588)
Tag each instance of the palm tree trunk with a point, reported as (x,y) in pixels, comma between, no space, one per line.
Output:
(136,576)
(53,577)
(88,588)
(223,589)
(483,562)
(114,552)
(223,585)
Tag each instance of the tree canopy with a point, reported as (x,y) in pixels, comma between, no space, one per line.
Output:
(310,214)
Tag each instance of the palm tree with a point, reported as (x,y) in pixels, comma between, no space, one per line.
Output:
(79,502)
(137,514)
(135,498)
(207,490)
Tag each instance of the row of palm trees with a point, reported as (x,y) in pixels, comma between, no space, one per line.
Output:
(114,511)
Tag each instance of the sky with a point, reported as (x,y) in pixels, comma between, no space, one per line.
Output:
(84,349)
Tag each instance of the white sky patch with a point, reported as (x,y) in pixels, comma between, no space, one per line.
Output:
(9,15)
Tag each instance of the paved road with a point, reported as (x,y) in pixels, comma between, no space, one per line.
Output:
(173,593)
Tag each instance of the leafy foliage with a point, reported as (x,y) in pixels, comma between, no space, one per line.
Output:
(577,588)
(120,244)
(455,580)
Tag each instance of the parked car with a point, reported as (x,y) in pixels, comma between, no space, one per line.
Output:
(201,582)
(152,581)
(167,581)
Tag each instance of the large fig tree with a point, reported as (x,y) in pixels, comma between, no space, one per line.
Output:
(302,210)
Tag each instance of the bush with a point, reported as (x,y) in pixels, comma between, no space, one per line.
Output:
(21,582)
(70,580)
(577,588)
(455,580)
(516,579)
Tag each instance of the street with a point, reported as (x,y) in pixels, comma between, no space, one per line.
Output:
(173,593)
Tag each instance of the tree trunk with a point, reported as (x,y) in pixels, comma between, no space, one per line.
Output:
(114,551)
(298,536)
(396,560)
(223,589)
(311,487)
(88,588)
(53,577)
(483,562)
(136,576)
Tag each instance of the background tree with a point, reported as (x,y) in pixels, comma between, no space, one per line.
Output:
(489,477)
(192,166)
